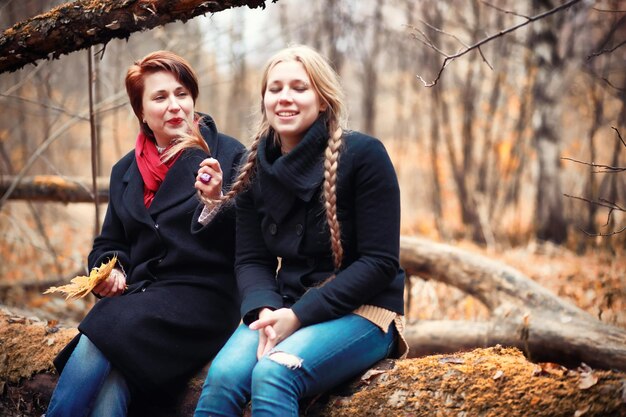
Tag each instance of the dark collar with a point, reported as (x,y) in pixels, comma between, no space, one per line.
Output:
(296,174)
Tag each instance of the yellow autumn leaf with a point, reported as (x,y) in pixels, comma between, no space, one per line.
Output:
(83,285)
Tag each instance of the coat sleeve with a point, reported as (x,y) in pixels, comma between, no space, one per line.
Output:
(255,266)
(376,214)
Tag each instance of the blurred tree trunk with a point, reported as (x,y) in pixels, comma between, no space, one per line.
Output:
(332,25)
(83,23)
(463,168)
(549,216)
(489,172)
(371,68)
(512,157)
(236,116)
(437,119)
(591,187)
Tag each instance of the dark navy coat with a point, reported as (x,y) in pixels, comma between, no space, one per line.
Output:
(281,215)
(181,304)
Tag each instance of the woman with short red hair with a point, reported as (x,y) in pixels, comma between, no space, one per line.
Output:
(171,301)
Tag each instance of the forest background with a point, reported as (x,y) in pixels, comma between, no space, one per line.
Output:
(514,152)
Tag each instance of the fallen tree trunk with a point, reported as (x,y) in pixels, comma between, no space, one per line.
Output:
(494,380)
(524,315)
(79,24)
(55,188)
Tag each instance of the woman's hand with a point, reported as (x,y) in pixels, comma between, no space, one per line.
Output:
(113,285)
(265,334)
(274,327)
(209,180)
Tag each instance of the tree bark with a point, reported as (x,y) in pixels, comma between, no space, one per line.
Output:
(56,188)
(83,23)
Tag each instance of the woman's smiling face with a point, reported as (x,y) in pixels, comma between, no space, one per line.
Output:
(168,107)
(291,103)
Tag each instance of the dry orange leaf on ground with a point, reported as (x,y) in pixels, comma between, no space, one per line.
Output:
(83,285)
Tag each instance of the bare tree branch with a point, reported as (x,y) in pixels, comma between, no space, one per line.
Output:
(477,45)
(82,23)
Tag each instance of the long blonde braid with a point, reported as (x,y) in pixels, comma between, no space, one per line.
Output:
(331,162)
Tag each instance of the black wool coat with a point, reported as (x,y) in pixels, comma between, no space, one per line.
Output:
(181,304)
(281,216)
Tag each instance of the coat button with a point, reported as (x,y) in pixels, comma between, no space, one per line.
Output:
(299,229)
(143,289)
(273,228)
(156,225)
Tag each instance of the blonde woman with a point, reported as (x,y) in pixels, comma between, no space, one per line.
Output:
(326,203)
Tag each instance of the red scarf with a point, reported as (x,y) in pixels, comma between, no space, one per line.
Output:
(152,169)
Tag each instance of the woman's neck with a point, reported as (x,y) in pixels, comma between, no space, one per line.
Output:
(286,145)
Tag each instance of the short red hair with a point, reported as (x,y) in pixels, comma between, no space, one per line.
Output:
(155,62)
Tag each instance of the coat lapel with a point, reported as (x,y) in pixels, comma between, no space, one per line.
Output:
(178,184)
(132,196)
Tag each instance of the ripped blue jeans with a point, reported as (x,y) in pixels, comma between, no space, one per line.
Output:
(307,363)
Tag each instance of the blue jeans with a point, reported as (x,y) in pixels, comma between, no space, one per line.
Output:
(309,362)
(88,386)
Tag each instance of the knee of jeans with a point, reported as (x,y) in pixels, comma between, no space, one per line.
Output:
(276,367)
(223,374)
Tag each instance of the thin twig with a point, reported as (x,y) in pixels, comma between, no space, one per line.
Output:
(606,80)
(39,103)
(94,140)
(614,204)
(450,58)
(504,11)
(602,234)
(602,203)
(607,10)
(607,168)
(606,51)
(619,135)
(452,35)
